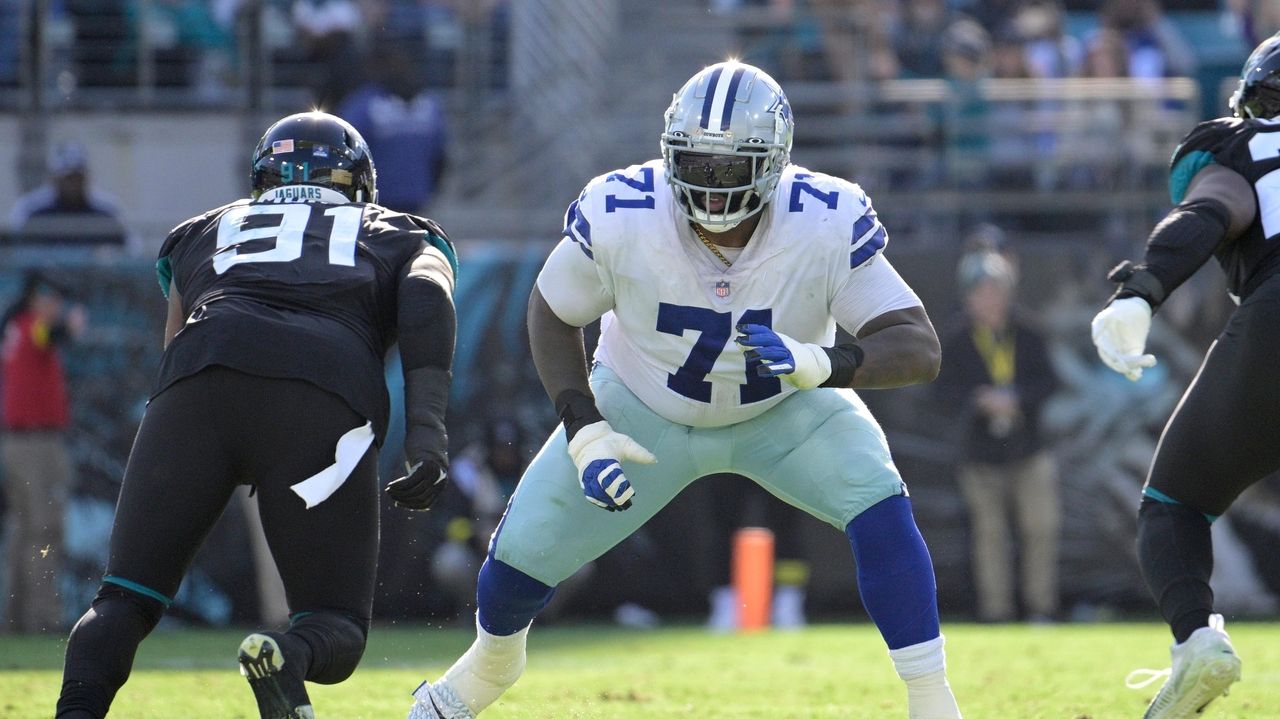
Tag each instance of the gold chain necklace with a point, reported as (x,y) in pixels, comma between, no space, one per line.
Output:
(710,245)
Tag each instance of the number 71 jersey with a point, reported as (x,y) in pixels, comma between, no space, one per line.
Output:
(669,306)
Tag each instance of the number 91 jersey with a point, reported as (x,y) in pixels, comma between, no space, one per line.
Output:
(294,285)
(1252,149)
(669,306)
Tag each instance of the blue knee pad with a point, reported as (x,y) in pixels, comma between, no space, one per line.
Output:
(895,574)
(507,599)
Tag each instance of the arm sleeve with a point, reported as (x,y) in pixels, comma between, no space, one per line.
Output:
(425,317)
(870,290)
(571,284)
(427,327)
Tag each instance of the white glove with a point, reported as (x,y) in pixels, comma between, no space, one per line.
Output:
(802,364)
(1120,334)
(598,451)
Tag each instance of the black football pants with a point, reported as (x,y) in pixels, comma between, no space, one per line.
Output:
(1221,439)
(199,439)
(1225,433)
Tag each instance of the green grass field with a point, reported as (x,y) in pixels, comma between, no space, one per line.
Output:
(999,672)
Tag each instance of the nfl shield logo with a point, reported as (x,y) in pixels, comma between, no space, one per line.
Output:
(722,288)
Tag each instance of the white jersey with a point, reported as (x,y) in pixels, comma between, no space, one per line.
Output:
(668,306)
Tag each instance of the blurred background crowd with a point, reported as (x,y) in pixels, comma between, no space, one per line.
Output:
(1015,150)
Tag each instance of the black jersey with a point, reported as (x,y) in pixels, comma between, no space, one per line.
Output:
(303,287)
(1252,149)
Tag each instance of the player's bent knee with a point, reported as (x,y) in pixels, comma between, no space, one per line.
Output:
(507,599)
(337,644)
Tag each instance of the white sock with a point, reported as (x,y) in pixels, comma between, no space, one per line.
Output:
(487,669)
(923,667)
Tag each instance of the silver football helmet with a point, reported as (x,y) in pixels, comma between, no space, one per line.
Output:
(726,141)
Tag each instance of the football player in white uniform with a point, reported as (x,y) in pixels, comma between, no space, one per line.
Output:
(719,273)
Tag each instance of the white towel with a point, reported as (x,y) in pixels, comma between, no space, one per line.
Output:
(351,447)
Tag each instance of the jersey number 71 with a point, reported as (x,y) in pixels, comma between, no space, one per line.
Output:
(690,379)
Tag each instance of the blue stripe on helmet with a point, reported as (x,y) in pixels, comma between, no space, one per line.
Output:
(710,97)
(728,100)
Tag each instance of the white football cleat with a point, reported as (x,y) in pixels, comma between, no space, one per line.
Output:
(1204,668)
(437,702)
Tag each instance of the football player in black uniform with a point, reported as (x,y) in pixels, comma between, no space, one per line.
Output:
(281,308)
(1225,179)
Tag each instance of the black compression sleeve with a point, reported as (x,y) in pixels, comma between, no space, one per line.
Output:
(1183,241)
(425,321)
(576,410)
(427,325)
(845,359)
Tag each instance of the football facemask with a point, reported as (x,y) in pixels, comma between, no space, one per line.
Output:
(728,176)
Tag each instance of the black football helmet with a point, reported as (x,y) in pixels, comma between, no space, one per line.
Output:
(1258,94)
(315,148)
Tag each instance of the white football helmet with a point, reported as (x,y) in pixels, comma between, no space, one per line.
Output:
(726,141)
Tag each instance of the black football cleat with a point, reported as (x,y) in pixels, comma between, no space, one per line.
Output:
(280,694)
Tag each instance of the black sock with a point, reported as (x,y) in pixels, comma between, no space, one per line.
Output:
(101,648)
(1175,551)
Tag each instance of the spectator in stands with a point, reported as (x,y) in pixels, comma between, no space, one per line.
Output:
(1013,139)
(100,31)
(330,30)
(1050,51)
(856,40)
(966,54)
(66,210)
(186,45)
(1106,56)
(1155,47)
(37,469)
(918,37)
(403,124)
(10,41)
(997,377)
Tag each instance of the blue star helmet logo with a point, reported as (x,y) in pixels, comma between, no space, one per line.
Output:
(780,103)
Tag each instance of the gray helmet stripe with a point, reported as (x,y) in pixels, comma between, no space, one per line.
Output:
(730,98)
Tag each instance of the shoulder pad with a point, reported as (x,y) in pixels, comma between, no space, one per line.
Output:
(196,223)
(1209,136)
(435,234)
(609,198)
(851,223)
(1198,149)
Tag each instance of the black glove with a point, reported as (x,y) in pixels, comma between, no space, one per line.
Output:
(420,487)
